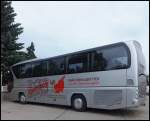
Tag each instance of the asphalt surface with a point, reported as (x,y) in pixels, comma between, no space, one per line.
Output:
(33,111)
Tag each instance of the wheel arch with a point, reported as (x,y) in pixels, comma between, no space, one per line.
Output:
(77,94)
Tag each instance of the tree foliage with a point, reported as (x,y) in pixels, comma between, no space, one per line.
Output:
(11,49)
(30,51)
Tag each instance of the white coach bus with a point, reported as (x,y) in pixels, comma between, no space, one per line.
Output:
(107,77)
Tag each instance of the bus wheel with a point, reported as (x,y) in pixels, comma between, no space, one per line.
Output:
(22,98)
(78,103)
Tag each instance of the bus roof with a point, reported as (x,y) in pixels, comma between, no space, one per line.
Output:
(86,50)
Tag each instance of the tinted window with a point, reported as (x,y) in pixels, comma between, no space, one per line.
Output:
(16,71)
(78,63)
(56,66)
(23,71)
(39,69)
(110,58)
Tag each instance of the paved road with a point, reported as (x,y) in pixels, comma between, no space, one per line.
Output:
(16,111)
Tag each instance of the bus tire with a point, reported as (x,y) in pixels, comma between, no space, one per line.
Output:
(78,103)
(22,98)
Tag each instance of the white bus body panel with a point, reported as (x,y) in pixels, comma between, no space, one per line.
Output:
(103,89)
(103,92)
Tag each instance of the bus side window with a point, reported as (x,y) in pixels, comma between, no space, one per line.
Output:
(39,69)
(110,58)
(99,61)
(56,66)
(23,70)
(16,70)
(78,63)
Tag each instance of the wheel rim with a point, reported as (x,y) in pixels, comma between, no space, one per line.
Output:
(78,103)
(22,98)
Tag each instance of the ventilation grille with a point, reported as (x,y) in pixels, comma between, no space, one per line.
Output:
(108,97)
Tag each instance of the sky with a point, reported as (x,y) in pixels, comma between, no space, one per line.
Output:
(60,27)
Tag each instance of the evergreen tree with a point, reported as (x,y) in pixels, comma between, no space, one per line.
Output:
(9,36)
(30,51)
(10,49)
